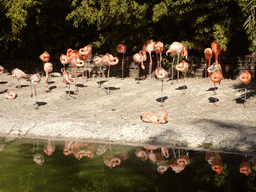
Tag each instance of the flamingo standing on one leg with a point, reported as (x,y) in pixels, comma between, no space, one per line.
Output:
(216,77)
(140,58)
(161,74)
(67,78)
(149,47)
(159,47)
(183,67)
(85,53)
(245,78)
(153,118)
(109,60)
(48,67)
(121,48)
(19,75)
(208,55)
(34,79)
(98,62)
(177,48)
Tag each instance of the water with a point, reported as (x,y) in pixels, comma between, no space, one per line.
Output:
(66,169)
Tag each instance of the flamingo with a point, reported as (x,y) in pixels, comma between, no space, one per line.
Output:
(245,168)
(82,153)
(85,53)
(111,161)
(216,77)
(77,62)
(177,48)
(208,55)
(161,74)
(153,118)
(140,58)
(1,69)
(182,67)
(109,60)
(121,48)
(214,68)
(159,47)
(19,75)
(245,78)
(45,56)
(98,62)
(49,148)
(11,95)
(67,78)
(216,50)
(64,60)
(149,47)
(34,79)
(48,67)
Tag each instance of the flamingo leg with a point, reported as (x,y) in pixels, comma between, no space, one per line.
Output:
(123,67)
(36,97)
(215,105)
(172,69)
(31,90)
(150,66)
(184,83)
(245,91)
(178,71)
(108,79)
(19,86)
(162,93)
(160,60)
(138,74)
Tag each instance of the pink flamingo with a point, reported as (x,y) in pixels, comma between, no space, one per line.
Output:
(245,78)
(109,60)
(177,48)
(11,95)
(67,79)
(19,75)
(161,74)
(45,56)
(208,55)
(85,53)
(183,67)
(64,60)
(140,58)
(153,118)
(216,50)
(98,62)
(34,79)
(48,67)
(141,154)
(159,47)
(149,47)
(121,48)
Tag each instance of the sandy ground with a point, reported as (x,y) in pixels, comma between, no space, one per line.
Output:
(91,114)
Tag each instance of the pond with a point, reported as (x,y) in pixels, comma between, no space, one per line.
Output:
(31,164)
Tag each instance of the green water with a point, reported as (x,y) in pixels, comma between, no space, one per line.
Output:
(18,171)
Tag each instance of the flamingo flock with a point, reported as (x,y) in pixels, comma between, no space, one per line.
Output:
(78,58)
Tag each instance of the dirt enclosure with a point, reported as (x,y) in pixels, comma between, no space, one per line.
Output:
(91,114)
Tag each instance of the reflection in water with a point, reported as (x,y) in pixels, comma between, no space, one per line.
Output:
(97,165)
(49,148)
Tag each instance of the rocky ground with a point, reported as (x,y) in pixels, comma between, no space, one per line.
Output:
(93,115)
